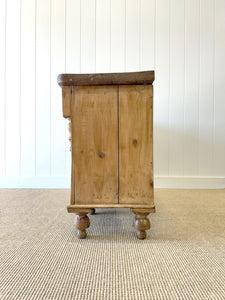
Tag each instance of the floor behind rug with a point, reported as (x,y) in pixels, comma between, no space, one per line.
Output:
(183,256)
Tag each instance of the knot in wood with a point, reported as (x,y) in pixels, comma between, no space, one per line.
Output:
(135,142)
(101,154)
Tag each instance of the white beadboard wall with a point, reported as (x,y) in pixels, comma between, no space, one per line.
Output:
(182,40)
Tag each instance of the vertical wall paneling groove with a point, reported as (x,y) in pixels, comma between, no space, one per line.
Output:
(28,88)
(219,127)
(66,173)
(43,111)
(147,34)
(72,55)
(13,88)
(72,20)
(132,35)
(117,35)
(169,80)
(161,87)
(57,66)
(20,121)
(50,86)
(35,91)
(191,99)
(176,81)
(206,88)
(139,33)
(88,35)
(183,40)
(125,35)
(102,36)
(3,8)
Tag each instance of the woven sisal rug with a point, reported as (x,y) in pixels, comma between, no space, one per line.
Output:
(183,256)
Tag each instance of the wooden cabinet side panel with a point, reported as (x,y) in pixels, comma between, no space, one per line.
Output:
(136,144)
(95,144)
(67,97)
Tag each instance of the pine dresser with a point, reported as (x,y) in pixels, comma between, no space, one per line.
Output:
(111,134)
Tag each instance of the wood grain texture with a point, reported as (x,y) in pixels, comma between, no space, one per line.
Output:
(146,77)
(141,224)
(81,223)
(139,207)
(67,98)
(95,144)
(135,144)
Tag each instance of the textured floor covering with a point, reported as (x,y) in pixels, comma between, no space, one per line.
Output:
(183,256)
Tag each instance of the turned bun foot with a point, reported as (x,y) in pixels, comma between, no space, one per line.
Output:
(141,224)
(82,222)
(141,234)
(81,234)
(92,211)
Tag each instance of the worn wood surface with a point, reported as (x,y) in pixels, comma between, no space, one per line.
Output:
(141,224)
(95,144)
(111,126)
(145,77)
(81,223)
(67,98)
(136,144)
(135,207)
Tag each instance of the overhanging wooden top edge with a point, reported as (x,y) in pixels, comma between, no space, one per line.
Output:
(129,78)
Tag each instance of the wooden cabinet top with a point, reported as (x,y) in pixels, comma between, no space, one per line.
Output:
(129,78)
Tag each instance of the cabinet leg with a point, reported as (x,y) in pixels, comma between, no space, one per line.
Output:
(92,211)
(141,223)
(82,222)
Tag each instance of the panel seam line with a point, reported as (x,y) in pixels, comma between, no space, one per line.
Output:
(118,133)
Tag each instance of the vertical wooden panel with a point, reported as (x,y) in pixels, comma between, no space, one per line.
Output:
(161,91)
(3,8)
(28,88)
(88,31)
(73,19)
(176,80)
(102,36)
(132,35)
(118,14)
(73,55)
(206,88)
(147,34)
(219,88)
(57,66)
(191,98)
(13,88)
(25,108)
(95,144)
(135,144)
(43,121)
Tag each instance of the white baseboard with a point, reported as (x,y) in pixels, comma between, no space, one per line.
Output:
(64,182)
(35,182)
(190,182)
